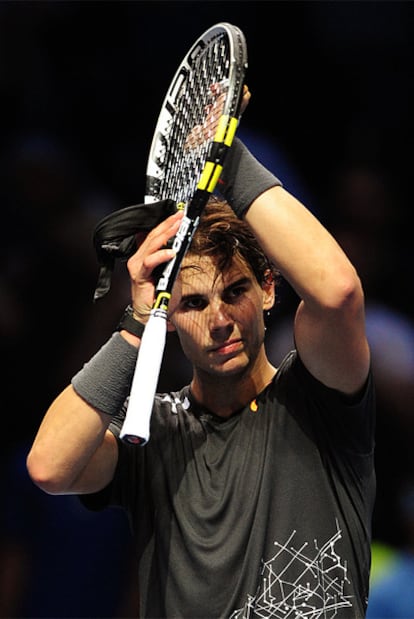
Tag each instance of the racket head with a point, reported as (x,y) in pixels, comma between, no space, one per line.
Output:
(205,91)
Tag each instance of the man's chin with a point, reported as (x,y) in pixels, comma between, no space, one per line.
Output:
(233,366)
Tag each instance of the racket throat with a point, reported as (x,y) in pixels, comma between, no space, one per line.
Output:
(180,244)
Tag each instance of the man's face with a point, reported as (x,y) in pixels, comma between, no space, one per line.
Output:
(219,315)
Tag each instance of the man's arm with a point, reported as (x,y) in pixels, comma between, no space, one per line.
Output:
(330,323)
(74,452)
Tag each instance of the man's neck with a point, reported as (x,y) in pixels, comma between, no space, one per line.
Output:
(224,395)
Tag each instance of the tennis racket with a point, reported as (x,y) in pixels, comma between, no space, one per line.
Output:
(194,131)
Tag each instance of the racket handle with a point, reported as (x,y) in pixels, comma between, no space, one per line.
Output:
(136,426)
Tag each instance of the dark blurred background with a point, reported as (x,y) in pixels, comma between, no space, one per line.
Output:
(81,84)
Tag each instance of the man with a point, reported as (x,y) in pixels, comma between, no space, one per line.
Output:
(254,494)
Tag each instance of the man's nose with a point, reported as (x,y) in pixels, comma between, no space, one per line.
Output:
(219,316)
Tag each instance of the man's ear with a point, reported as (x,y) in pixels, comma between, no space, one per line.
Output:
(268,297)
(269,292)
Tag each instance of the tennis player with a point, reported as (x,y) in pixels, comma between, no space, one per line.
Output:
(254,495)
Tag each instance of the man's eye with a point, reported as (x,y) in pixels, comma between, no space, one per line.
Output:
(193,303)
(236,292)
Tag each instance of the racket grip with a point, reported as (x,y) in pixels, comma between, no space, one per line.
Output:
(136,426)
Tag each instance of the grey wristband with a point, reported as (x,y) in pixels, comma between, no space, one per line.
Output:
(105,381)
(244,178)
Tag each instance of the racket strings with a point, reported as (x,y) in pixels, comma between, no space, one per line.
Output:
(199,106)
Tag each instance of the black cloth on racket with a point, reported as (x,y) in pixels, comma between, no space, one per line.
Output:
(114,236)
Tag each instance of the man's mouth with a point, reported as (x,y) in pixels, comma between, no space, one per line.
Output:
(228,348)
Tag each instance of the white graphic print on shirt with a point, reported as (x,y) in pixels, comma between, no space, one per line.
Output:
(317,592)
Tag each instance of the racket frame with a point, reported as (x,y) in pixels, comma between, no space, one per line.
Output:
(136,426)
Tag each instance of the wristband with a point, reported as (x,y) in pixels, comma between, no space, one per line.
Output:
(243,178)
(130,323)
(105,381)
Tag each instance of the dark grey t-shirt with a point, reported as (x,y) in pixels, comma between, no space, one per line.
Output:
(265,514)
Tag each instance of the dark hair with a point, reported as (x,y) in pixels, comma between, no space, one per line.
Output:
(221,234)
